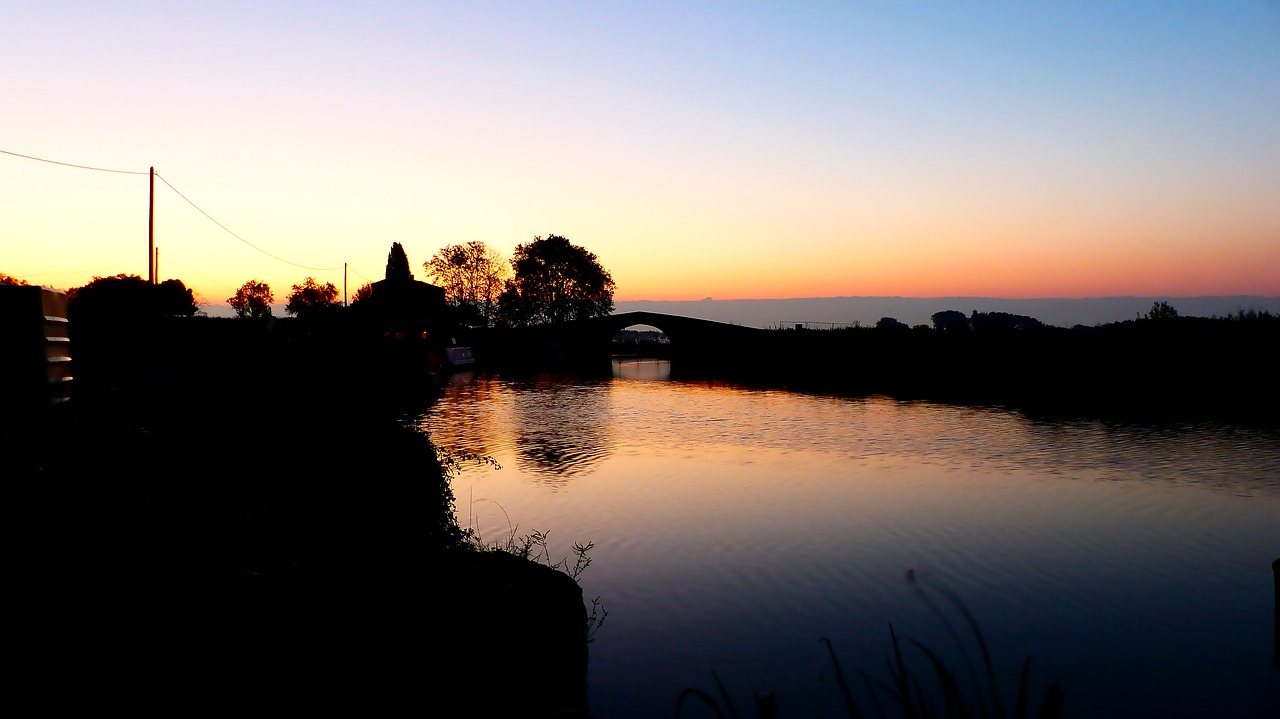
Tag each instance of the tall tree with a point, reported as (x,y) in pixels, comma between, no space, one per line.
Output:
(471,276)
(398,264)
(253,300)
(555,281)
(310,296)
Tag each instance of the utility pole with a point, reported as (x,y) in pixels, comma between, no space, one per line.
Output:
(151,232)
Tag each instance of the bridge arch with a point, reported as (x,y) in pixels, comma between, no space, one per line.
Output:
(681,330)
(644,340)
(693,341)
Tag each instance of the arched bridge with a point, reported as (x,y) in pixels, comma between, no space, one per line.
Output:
(682,331)
(590,340)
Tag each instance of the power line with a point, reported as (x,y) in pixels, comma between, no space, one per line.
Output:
(184,197)
(82,167)
(357,274)
(238,237)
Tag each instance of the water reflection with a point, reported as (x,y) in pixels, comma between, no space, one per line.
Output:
(560,426)
(645,369)
(560,432)
(471,416)
(556,428)
(734,527)
(1224,458)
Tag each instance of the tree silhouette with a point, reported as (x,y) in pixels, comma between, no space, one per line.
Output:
(174,298)
(130,296)
(398,264)
(11,280)
(1003,322)
(364,293)
(253,300)
(472,277)
(891,324)
(555,281)
(950,321)
(309,297)
(1161,311)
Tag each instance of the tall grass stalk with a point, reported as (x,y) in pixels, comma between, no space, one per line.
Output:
(531,546)
(936,692)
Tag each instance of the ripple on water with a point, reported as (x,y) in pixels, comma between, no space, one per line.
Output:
(732,526)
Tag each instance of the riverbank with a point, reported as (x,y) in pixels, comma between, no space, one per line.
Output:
(229,519)
(1190,369)
(1169,370)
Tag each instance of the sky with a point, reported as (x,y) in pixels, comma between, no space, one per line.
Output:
(735,150)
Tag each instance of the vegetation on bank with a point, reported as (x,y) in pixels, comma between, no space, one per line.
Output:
(530,546)
(1161,366)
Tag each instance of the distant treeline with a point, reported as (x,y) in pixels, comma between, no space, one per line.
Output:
(818,312)
(1161,366)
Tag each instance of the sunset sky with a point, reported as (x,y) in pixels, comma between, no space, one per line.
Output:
(700,149)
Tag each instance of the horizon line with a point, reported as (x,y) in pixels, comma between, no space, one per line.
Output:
(953,297)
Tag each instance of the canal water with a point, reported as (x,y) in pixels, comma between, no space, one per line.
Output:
(733,530)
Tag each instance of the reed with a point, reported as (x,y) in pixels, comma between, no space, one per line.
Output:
(909,692)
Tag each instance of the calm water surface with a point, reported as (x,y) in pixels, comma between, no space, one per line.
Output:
(734,529)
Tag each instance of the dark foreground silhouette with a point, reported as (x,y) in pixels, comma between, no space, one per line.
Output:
(228,517)
(236,524)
